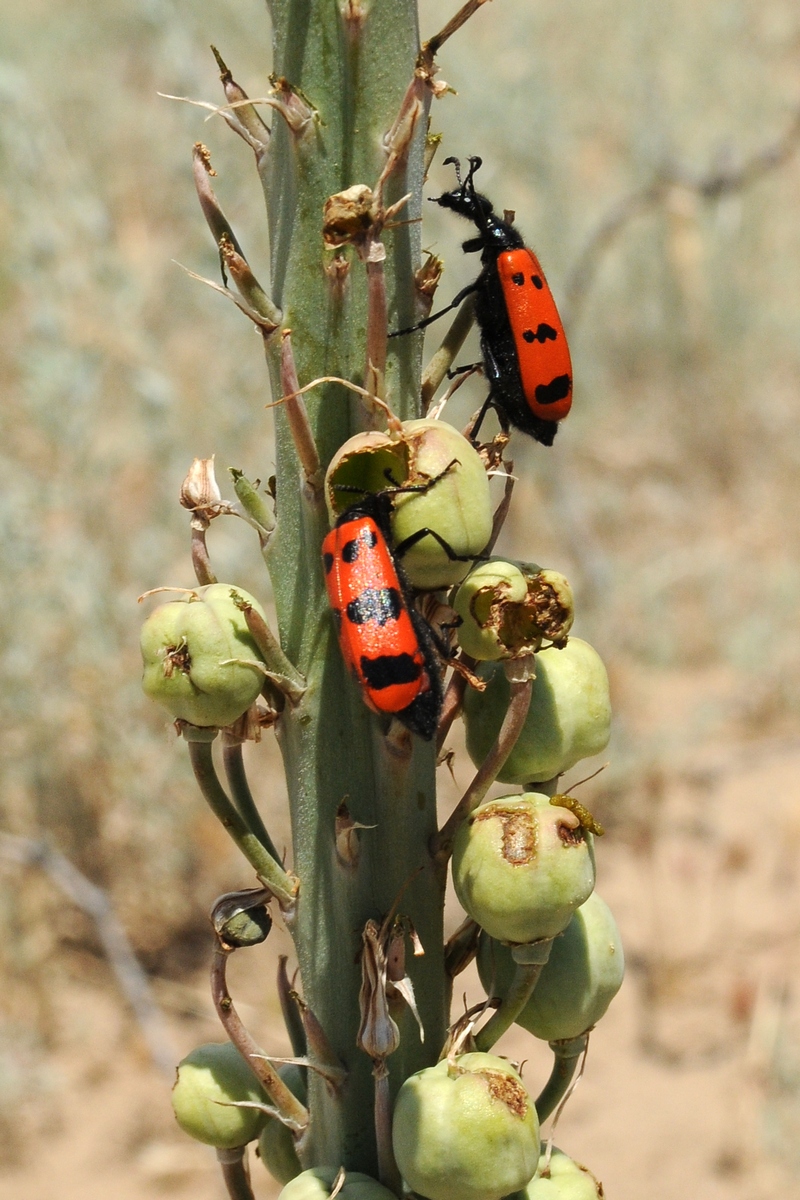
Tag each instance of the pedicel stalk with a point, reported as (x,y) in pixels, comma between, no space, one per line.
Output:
(375,1094)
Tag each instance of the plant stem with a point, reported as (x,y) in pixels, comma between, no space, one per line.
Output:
(233,1164)
(356,75)
(285,1101)
(566,1056)
(233,758)
(268,870)
(526,976)
(444,357)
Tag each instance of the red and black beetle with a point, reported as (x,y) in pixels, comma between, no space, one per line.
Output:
(385,642)
(526,358)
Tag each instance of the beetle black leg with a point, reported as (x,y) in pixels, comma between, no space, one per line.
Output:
(455,371)
(417,487)
(412,539)
(462,295)
(487,404)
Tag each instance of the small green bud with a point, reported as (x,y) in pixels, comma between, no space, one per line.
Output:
(210,1082)
(569,716)
(578,982)
(276,1147)
(521,867)
(197,653)
(465,1129)
(317,1184)
(507,609)
(564,1180)
(458,507)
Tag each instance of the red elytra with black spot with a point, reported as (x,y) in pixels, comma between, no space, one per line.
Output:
(545,366)
(384,640)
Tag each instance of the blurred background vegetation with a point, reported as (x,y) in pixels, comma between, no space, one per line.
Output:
(669,497)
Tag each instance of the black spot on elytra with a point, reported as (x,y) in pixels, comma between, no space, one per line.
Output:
(350,550)
(327,561)
(375,604)
(557,389)
(544,333)
(389,669)
(518,278)
(537,282)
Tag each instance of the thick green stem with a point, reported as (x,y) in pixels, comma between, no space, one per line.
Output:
(234,1173)
(566,1056)
(233,759)
(259,857)
(525,979)
(355,72)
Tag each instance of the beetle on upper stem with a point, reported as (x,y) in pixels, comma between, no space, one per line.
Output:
(526,358)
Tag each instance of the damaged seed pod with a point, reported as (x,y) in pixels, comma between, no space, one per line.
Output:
(318,1183)
(465,1129)
(276,1147)
(348,216)
(569,716)
(507,609)
(578,982)
(564,1179)
(457,506)
(242,918)
(369,463)
(210,1081)
(521,867)
(200,661)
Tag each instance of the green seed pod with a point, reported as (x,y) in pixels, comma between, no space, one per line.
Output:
(507,609)
(521,867)
(197,653)
(458,507)
(209,1083)
(565,1180)
(569,717)
(578,982)
(276,1146)
(465,1130)
(317,1184)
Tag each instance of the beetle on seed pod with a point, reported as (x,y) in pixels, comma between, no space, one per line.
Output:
(522,866)
(508,609)
(440,525)
(465,1129)
(200,660)
(569,716)
(318,1183)
(580,979)
(561,1179)
(210,1083)
(276,1146)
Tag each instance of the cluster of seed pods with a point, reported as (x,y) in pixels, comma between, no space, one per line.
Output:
(523,865)
(414,590)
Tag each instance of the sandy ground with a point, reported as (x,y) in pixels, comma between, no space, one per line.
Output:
(692,1086)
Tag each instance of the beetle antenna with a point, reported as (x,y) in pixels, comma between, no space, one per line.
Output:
(475,163)
(457,166)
